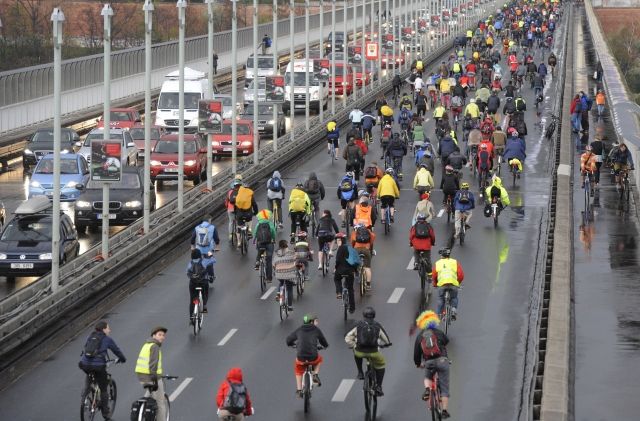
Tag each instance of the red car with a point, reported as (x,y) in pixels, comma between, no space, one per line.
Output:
(340,85)
(221,142)
(137,133)
(398,59)
(164,159)
(121,118)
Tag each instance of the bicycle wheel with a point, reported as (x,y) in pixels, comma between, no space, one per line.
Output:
(113,394)
(243,243)
(363,285)
(263,275)
(88,405)
(447,317)
(167,405)
(434,404)
(306,391)
(626,191)
(387,220)
(276,217)
(345,302)
(195,316)
(462,231)
(422,272)
(234,237)
(300,284)
(284,311)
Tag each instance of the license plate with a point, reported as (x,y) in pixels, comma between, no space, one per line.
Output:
(171,170)
(227,149)
(300,106)
(111,216)
(49,194)
(21,265)
(260,127)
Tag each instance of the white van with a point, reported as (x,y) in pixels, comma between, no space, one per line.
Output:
(265,68)
(318,92)
(195,88)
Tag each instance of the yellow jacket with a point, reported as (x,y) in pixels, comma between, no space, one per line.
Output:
(445,87)
(423,178)
(473,110)
(504,196)
(299,201)
(388,187)
(439,111)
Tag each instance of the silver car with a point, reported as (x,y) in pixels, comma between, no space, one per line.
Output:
(129,150)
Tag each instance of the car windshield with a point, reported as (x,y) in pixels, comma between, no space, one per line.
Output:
(262,109)
(99,136)
(169,100)
(262,84)
(120,116)
(137,133)
(263,62)
(27,229)
(226,101)
(47,136)
(243,129)
(67,166)
(299,79)
(128,181)
(171,146)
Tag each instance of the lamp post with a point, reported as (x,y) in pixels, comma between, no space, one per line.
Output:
(148,22)
(333,56)
(274,12)
(306,66)
(256,133)
(344,55)
(321,83)
(182,6)
(107,13)
(210,33)
(292,113)
(234,85)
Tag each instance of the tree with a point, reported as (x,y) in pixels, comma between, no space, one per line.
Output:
(626,47)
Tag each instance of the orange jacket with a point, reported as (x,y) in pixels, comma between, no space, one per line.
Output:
(588,162)
(356,245)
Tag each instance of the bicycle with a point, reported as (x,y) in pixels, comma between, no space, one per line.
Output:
(263,270)
(275,215)
(143,403)
(625,189)
(234,237)
(434,400)
(515,172)
(448,205)
(332,151)
(446,316)
(197,316)
(495,212)
(362,277)
(483,179)
(345,296)
(499,167)
(244,243)
(348,219)
(369,386)
(588,193)
(386,220)
(463,227)
(326,258)
(283,301)
(551,127)
(425,274)
(367,136)
(90,402)
(307,382)
(300,279)
(314,220)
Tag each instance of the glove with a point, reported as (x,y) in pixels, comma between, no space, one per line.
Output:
(154,388)
(122,360)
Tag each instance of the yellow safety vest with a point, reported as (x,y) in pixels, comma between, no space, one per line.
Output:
(142,365)
(447,270)
(419,65)
(469,34)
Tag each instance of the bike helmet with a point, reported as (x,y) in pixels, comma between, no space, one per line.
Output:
(464,185)
(421,217)
(390,171)
(302,234)
(341,235)
(513,132)
(445,252)
(369,313)
(300,184)
(588,148)
(448,169)
(309,318)
(472,101)
(362,193)
(423,165)
(237,182)
(349,174)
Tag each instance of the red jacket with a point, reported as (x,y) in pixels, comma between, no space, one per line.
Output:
(422,243)
(234,376)
(363,146)
(574,102)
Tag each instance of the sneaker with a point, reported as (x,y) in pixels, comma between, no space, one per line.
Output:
(392,219)
(467,226)
(290,308)
(379,391)
(204,310)
(445,414)
(454,313)
(269,281)
(316,380)
(256,266)
(352,310)
(425,395)
(373,253)
(277,296)
(360,375)
(280,226)
(415,266)
(299,394)
(319,267)
(339,296)
(368,286)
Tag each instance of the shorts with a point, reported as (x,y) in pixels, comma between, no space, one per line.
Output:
(375,358)
(366,256)
(322,240)
(299,367)
(334,141)
(386,201)
(617,167)
(243,216)
(441,365)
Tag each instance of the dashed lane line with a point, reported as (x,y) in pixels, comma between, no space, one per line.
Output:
(343,390)
(180,389)
(227,337)
(395,296)
(267,293)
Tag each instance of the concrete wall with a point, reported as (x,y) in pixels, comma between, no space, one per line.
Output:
(616,3)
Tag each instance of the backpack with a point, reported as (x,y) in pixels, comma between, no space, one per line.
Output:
(243,198)
(483,159)
(149,408)
(346,185)
(419,65)
(263,233)
(312,187)
(456,101)
(429,345)
(275,185)
(354,258)
(589,104)
(298,204)
(422,229)
(404,115)
(202,236)
(236,400)
(363,235)
(367,334)
(520,105)
(197,271)
(464,196)
(371,172)
(93,344)
(267,42)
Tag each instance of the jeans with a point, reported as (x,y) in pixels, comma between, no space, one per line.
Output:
(102,379)
(600,109)
(575,121)
(269,258)
(458,219)
(454,297)
(231,216)
(337,280)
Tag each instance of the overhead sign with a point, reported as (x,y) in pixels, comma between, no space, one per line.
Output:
(209,116)
(274,89)
(106,160)
(371,52)
(321,69)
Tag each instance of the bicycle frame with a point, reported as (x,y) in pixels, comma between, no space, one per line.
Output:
(434,403)
(369,387)
(345,296)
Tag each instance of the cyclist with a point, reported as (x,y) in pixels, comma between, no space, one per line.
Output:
(235,186)
(306,339)
(422,238)
(233,384)
(493,103)
(597,147)
(387,114)
(446,146)
(354,156)
(362,239)
(425,156)
(276,193)
(587,163)
(514,151)
(498,192)
(344,268)
(205,236)
(265,236)
(445,92)
(484,159)
(326,230)
(424,207)
(388,191)
(315,190)
(439,112)
(397,84)
(364,213)
(509,92)
(395,151)
(430,352)
(333,136)
(463,203)
(365,339)
(472,109)
(450,183)
(447,274)
(200,274)
(303,253)
(94,361)
(622,161)
(245,207)
(368,121)
(284,266)
(299,209)
(149,368)
(499,139)
(405,102)
(380,102)
(423,181)
(404,118)
(347,194)
(372,175)
(552,61)
(457,161)
(355,116)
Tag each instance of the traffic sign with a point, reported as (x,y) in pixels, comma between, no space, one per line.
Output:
(372,51)
(209,116)
(274,89)
(106,160)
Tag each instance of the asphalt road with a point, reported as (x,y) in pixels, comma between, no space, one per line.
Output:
(243,328)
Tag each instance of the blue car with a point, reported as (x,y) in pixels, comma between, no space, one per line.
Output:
(74,172)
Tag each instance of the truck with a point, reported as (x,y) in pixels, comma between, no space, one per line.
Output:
(318,91)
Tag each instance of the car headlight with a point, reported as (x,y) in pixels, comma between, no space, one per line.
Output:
(45,256)
(190,163)
(28,152)
(64,151)
(246,143)
(83,204)
(35,184)
(133,204)
(155,163)
(3,256)
(271,122)
(71,185)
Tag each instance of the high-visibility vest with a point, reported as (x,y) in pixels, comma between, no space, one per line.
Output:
(363,215)
(447,270)
(142,365)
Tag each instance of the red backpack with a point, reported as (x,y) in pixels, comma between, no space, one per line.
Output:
(429,345)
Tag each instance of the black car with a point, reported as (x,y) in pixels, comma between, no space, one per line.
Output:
(126,201)
(339,43)
(41,144)
(265,119)
(26,241)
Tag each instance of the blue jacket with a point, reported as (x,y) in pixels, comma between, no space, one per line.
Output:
(207,262)
(622,158)
(334,134)
(368,121)
(100,359)
(348,195)
(407,120)
(212,240)
(542,70)
(421,153)
(464,206)
(446,146)
(515,148)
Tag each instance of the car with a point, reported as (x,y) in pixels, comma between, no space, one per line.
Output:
(121,118)
(74,174)
(26,241)
(370,74)
(342,86)
(227,107)
(41,143)
(129,150)
(249,94)
(339,43)
(126,201)
(265,119)
(221,142)
(137,134)
(265,67)
(164,159)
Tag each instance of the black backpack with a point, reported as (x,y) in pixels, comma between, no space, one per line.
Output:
(371,172)
(367,334)
(483,159)
(312,187)
(236,400)
(263,233)
(464,196)
(197,271)
(92,346)
(422,229)
(149,409)
(363,235)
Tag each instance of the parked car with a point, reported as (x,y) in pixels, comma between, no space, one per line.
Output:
(26,241)
(121,118)
(137,134)
(129,150)
(74,174)
(221,142)
(126,201)
(341,84)
(41,143)
(164,159)
(265,119)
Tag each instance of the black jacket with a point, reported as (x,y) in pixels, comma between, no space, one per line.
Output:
(417,347)
(327,224)
(458,90)
(597,147)
(318,193)
(456,160)
(306,339)
(450,183)
(342,266)
(493,103)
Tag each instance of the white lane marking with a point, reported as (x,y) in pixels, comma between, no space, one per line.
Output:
(343,390)
(411,263)
(180,389)
(440,213)
(395,296)
(267,293)
(227,337)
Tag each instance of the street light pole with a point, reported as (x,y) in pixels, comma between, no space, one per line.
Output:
(234,86)
(345,54)
(333,56)
(182,6)
(107,13)
(292,113)
(57,17)
(148,22)
(256,132)
(306,64)
(209,137)
(274,43)
(321,83)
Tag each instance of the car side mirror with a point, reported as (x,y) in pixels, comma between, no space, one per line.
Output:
(80,186)
(203,150)
(131,145)
(78,144)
